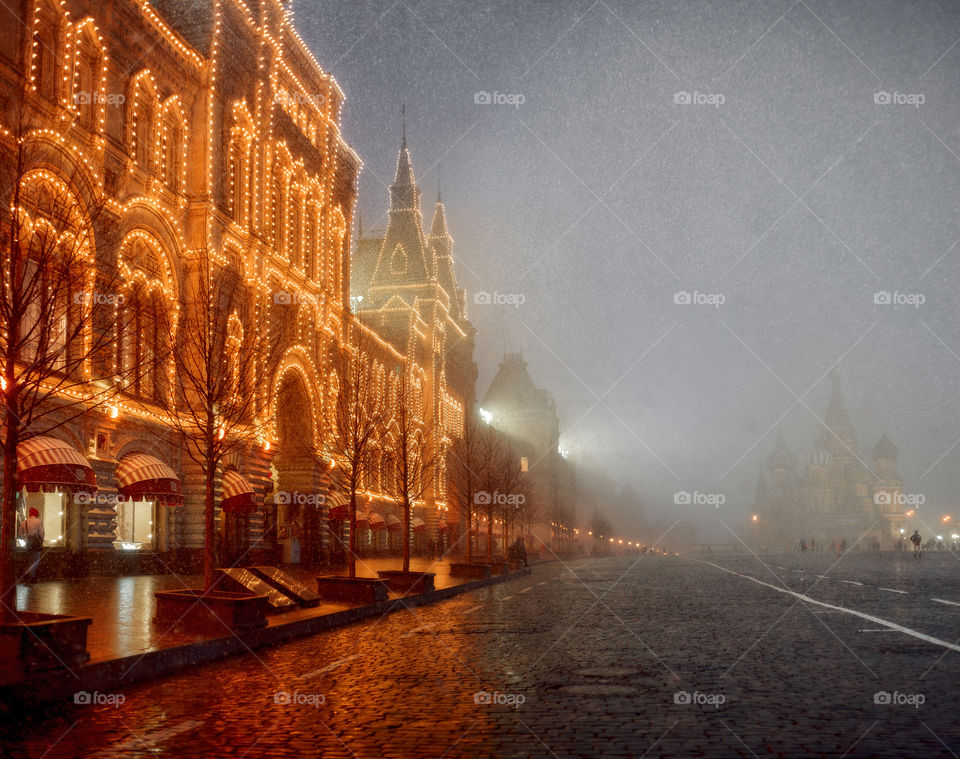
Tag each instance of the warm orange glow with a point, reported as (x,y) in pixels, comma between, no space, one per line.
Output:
(754,517)
(946,517)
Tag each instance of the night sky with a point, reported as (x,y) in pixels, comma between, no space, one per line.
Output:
(784,196)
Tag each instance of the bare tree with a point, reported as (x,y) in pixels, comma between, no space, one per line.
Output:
(413,458)
(59,304)
(356,425)
(600,528)
(514,486)
(464,466)
(213,409)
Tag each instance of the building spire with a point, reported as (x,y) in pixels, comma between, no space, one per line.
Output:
(439,190)
(403,126)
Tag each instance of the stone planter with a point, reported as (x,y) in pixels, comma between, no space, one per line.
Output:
(213,612)
(44,641)
(499,567)
(407,582)
(361,590)
(515,565)
(470,569)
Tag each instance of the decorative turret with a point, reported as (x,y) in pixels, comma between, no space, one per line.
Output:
(884,450)
(781,459)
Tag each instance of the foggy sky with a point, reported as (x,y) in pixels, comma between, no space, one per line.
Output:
(598,198)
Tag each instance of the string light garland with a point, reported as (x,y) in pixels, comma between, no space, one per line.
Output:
(294,241)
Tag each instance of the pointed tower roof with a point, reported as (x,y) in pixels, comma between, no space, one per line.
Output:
(838,435)
(837,415)
(404,258)
(781,457)
(438,228)
(885,450)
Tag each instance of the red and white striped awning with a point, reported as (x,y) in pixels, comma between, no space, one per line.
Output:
(417,524)
(363,521)
(143,477)
(393,522)
(442,524)
(339,505)
(238,495)
(376,521)
(47,461)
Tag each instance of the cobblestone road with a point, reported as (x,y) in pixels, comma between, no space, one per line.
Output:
(660,657)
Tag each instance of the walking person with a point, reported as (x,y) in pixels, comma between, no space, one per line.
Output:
(916,540)
(803,545)
(32,532)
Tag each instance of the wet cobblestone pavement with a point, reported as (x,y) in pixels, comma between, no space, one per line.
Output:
(660,657)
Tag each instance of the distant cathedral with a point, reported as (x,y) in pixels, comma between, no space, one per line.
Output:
(837,494)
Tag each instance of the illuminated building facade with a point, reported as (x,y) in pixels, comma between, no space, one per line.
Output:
(207,131)
(838,496)
(404,287)
(527,414)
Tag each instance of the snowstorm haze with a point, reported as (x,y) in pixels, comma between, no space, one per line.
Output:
(784,187)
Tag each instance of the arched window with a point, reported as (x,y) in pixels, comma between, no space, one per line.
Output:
(88,98)
(46,62)
(296,218)
(332,405)
(234,349)
(237,193)
(418,396)
(55,283)
(279,201)
(173,143)
(147,321)
(142,121)
(310,241)
(338,230)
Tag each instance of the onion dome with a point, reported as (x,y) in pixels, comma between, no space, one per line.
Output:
(781,458)
(885,450)
(817,455)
